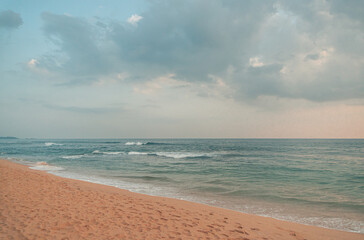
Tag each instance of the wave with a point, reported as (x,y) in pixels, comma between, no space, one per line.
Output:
(135,143)
(107,153)
(213,189)
(73,156)
(44,166)
(48,144)
(178,155)
(149,178)
(144,143)
(157,143)
(138,153)
(175,155)
(112,153)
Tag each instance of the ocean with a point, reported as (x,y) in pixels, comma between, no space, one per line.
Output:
(311,181)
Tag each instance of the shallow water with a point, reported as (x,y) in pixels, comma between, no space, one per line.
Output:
(316,182)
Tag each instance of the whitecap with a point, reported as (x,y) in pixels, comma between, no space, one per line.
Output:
(48,144)
(134,143)
(137,153)
(112,153)
(42,163)
(178,155)
(175,155)
(73,156)
(106,153)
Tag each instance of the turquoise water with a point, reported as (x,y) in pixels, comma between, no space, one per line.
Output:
(315,182)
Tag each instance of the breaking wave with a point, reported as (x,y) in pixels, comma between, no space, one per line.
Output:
(138,153)
(175,155)
(134,143)
(112,153)
(157,143)
(73,156)
(44,166)
(107,153)
(145,143)
(48,144)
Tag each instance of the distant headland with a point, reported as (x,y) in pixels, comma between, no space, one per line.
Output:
(8,137)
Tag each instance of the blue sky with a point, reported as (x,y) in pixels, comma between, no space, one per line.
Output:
(241,69)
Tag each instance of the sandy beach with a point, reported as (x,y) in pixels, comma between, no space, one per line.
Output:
(38,205)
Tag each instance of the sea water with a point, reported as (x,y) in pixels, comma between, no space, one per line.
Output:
(310,181)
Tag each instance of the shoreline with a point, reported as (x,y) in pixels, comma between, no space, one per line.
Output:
(36,204)
(54,170)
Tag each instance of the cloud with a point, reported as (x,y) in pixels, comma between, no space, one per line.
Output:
(134,19)
(33,66)
(180,38)
(32,63)
(83,56)
(314,56)
(305,56)
(255,62)
(350,8)
(158,84)
(10,19)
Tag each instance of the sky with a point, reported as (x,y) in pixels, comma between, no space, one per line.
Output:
(182,69)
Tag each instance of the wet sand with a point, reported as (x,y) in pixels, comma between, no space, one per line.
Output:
(38,205)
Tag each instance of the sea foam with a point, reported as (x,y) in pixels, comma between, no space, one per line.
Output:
(145,143)
(73,156)
(178,155)
(106,153)
(138,153)
(44,166)
(134,143)
(48,144)
(175,155)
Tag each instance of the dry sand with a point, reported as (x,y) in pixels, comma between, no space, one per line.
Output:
(37,205)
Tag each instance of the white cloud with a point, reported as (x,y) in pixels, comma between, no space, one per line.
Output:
(292,51)
(255,62)
(33,65)
(163,82)
(134,19)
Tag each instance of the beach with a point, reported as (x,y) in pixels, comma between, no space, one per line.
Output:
(37,205)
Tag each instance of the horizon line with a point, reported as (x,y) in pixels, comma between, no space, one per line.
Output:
(207,138)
